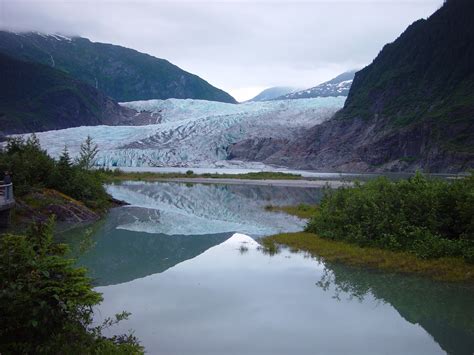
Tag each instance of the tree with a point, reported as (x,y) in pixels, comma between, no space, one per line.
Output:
(88,153)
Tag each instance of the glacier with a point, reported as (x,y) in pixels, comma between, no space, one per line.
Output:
(192,133)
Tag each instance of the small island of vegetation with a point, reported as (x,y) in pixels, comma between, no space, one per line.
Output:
(418,225)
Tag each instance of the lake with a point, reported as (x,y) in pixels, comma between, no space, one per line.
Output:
(184,259)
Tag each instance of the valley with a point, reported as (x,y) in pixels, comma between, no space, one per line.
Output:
(289,205)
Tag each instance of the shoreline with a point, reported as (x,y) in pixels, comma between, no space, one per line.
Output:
(445,269)
(270,182)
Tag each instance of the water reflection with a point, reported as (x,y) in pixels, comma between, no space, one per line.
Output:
(168,223)
(115,256)
(194,287)
(225,301)
(444,310)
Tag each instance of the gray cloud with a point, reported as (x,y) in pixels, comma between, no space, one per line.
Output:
(240,46)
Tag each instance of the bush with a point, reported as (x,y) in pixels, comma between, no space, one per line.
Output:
(33,168)
(189,172)
(46,302)
(431,218)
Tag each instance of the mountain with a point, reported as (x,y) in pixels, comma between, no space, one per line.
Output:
(35,97)
(411,108)
(274,92)
(121,73)
(339,86)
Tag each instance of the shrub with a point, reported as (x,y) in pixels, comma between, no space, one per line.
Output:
(46,302)
(431,218)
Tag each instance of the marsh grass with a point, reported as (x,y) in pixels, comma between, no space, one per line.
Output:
(453,269)
(302,210)
(118,175)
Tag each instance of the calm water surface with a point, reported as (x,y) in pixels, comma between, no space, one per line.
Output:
(185,261)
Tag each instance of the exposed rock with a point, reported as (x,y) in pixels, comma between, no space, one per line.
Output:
(256,149)
(40,205)
(356,145)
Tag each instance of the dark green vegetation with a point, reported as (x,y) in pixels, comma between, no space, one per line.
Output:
(429,218)
(302,210)
(425,75)
(33,169)
(118,175)
(417,225)
(35,97)
(446,268)
(46,302)
(121,73)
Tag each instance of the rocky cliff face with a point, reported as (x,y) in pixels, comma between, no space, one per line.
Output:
(412,108)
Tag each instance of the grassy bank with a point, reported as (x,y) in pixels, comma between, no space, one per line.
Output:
(302,210)
(118,175)
(444,269)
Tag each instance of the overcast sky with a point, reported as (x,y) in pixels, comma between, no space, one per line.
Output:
(239,46)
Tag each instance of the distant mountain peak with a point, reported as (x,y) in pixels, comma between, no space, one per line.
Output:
(274,92)
(338,86)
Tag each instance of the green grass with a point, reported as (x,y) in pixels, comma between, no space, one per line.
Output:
(302,210)
(453,269)
(117,175)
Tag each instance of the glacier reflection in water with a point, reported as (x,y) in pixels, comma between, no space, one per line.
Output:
(190,209)
(167,223)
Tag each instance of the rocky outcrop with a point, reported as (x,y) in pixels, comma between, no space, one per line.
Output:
(256,149)
(39,206)
(356,145)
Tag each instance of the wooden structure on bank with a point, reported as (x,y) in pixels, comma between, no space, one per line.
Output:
(7,202)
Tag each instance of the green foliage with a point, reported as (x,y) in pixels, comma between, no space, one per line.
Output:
(430,218)
(33,168)
(46,302)
(88,154)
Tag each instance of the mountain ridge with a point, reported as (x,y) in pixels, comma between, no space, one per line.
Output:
(122,73)
(273,92)
(35,97)
(338,86)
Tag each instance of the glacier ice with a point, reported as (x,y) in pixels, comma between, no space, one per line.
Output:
(192,132)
